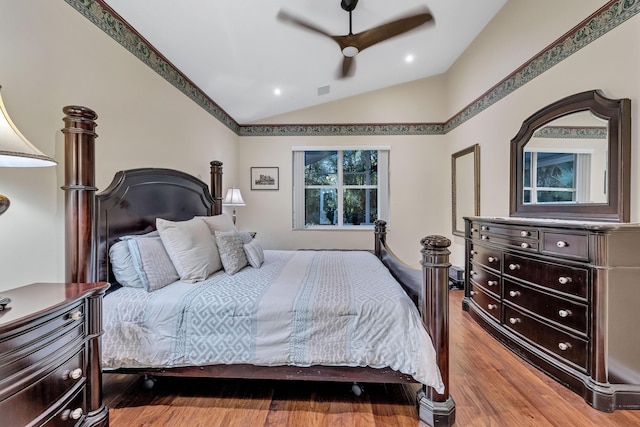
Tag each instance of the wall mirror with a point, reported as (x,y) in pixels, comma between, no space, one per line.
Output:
(571,160)
(465,186)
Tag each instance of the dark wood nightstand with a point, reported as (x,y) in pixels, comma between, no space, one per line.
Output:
(50,369)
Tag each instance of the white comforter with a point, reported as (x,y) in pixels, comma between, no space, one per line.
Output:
(302,308)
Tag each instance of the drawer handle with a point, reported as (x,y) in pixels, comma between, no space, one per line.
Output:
(492,282)
(492,306)
(562,244)
(492,259)
(564,346)
(525,245)
(564,313)
(472,293)
(514,320)
(74,415)
(484,228)
(76,315)
(514,266)
(485,237)
(514,293)
(74,375)
(473,252)
(563,280)
(525,234)
(472,273)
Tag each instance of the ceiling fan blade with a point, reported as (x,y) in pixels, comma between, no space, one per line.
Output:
(383,32)
(286,17)
(347,68)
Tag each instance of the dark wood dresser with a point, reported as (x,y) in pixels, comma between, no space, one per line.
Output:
(563,295)
(50,370)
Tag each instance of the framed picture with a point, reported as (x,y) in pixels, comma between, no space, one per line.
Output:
(264,178)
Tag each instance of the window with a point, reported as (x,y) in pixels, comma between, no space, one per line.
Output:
(339,188)
(554,177)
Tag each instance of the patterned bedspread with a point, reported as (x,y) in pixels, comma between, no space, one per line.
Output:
(302,308)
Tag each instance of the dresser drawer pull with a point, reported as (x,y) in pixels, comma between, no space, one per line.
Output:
(485,237)
(525,234)
(492,306)
(514,266)
(514,320)
(525,245)
(492,282)
(473,252)
(472,293)
(564,346)
(75,315)
(472,273)
(514,293)
(74,374)
(484,228)
(74,415)
(564,280)
(564,313)
(492,259)
(562,244)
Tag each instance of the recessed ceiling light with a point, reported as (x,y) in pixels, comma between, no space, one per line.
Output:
(409,58)
(277,91)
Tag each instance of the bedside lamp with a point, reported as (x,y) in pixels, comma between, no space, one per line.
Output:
(16,150)
(233,198)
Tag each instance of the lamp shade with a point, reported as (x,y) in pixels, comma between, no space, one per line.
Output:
(233,198)
(15,149)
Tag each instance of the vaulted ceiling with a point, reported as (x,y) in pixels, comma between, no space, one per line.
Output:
(254,65)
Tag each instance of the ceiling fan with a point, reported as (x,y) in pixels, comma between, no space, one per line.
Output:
(352,44)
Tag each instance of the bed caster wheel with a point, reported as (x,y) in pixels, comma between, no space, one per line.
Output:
(148,382)
(357,389)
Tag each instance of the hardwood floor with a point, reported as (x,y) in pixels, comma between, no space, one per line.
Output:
(490,385)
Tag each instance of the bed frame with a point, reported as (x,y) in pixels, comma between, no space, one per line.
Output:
(137,197)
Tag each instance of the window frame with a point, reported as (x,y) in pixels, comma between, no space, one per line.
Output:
(299,187)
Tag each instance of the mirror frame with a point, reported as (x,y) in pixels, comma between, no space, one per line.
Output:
(617,112)
(475,151)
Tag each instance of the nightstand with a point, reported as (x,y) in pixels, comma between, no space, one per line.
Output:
(50,368)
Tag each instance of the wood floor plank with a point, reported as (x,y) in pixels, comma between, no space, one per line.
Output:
(490,385)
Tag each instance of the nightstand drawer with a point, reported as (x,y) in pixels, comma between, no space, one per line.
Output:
(59,378)
(71,413)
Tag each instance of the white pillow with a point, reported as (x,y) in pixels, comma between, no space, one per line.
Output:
(122,265)
(231,251)
(191,248)
(222,222)
(254,253)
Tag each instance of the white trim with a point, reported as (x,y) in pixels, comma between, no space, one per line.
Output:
(340,148)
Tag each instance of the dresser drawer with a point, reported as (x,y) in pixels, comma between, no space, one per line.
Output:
(488,257)
(509,231)
(71,413)
(562,311)
(562,344)
(487,280)
(562,278)
(486,302)
(566,245)
(57,380)
(512,242)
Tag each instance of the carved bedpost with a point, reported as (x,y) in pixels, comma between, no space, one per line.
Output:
(380,236)
(216,186)
(437,409)
(80,191)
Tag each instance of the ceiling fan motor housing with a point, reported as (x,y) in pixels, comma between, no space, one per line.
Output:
(349,5)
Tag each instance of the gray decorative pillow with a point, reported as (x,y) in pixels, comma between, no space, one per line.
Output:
(254,253)
(231,251)
(152,262)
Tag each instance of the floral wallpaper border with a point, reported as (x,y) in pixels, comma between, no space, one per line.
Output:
(604,20)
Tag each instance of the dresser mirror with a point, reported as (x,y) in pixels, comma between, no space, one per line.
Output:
(571,160)
(465,186)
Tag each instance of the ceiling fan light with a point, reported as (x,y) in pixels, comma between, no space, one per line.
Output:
(350,51)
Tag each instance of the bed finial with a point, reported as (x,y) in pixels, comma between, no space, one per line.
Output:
(80,190)
(380,235)
(437,409)
(216,186)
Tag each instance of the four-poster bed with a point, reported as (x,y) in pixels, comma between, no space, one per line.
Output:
(131,206)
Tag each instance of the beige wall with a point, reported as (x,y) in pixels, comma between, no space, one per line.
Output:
(52,56)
